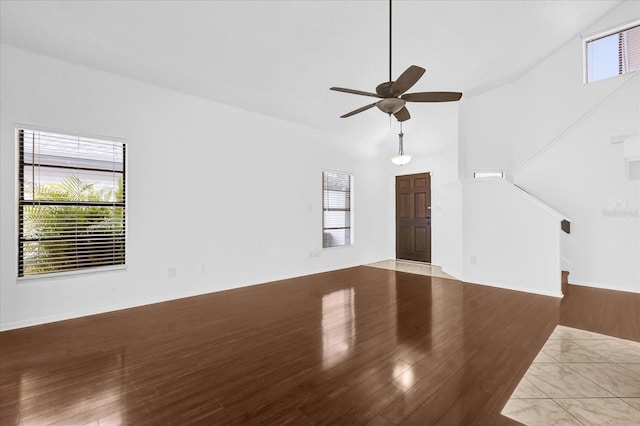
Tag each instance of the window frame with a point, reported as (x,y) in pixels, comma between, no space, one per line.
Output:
(350,210)
(492,174)
(19,194)
(596,36)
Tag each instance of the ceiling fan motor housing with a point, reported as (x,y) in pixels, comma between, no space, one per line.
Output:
(384,89)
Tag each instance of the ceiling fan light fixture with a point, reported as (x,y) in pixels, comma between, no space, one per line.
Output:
(390,105)
(401,159)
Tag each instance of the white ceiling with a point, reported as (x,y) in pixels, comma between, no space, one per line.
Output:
(279,58)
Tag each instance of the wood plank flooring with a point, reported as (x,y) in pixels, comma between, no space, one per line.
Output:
(356,346)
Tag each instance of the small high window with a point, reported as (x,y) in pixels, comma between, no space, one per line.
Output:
(336,209)
(488,174)
(612,53)
(71,209)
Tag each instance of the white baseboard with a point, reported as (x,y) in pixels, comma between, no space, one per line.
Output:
(603,286)
(523,289)
(63,316)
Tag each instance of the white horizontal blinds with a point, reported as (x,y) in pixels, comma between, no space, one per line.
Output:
(613,54)
(72,203)
(336,216)
(629,50)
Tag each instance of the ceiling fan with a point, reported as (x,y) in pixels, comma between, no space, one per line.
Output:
(392,93)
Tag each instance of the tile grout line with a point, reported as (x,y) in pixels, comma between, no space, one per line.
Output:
(567,411)
(568,365)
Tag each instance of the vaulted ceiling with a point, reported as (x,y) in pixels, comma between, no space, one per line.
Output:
(279,58)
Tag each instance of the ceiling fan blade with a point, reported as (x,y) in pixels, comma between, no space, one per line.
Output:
(432,97)
(355,92)
(359,110)
(402,115)
(406,80)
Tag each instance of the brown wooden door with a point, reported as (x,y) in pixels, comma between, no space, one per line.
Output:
(413,217)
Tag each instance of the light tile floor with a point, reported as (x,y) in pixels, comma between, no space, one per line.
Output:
(580,378)
(412,267)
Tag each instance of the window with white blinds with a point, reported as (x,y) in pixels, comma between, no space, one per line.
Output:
(487,174)
(612,54)
(71,209)
(336,210)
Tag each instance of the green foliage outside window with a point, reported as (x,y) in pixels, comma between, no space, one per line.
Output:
(76,226)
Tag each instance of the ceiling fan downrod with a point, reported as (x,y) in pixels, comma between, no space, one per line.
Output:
(390,40)
(391,94)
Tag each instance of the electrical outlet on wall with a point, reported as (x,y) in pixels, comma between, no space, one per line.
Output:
(473,260)
(200,268)
(171,272)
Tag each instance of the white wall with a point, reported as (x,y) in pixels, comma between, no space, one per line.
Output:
(552,96)
(432,139)
(583,174)
(207,184)
(450,211)
(510,240)
(487,132)
(506,127)
(556,131)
